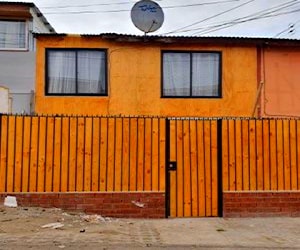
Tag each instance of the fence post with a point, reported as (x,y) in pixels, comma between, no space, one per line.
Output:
(167,154)
(220,167)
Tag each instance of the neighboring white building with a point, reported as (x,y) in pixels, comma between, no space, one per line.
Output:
(18,23)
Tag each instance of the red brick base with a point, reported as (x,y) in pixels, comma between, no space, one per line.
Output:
(261,204)
(122,205)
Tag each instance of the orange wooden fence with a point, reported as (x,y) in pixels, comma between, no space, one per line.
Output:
(61,154)
(83,154)
(261,154)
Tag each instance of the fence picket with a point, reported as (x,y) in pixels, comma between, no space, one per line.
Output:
(25,154)
(34,150)
(194,168)
(57,154)
(95,167)
(279,153)
(214,168)
(125,176)
(11,154)
(286,155)
(238,155)
(18,154)
(3,159)
(201,169)
(72,154)
(293,150)
(266,155)
(133,145)
(41,155)
(259,155)
(103,153)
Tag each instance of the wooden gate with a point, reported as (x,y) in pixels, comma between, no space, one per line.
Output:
(192,167)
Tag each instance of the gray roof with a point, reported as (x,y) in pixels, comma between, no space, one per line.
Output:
(36,9)
(188,39)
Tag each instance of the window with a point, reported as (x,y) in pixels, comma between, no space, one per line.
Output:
(12,34)
(76,72)
(191,74)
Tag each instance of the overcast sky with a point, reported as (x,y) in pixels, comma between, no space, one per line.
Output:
(251,18)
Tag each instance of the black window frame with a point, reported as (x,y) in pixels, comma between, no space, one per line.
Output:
(219,53)
(48,50)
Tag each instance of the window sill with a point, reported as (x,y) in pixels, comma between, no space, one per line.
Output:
(77,95)
(191,97)
(14,49)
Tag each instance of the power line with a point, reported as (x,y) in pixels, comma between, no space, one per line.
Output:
(291,28)
(199,4)
(230,24)
(128,10)
(208,18)
(247,18)
(88,5)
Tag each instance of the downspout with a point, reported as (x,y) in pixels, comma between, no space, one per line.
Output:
(257,109)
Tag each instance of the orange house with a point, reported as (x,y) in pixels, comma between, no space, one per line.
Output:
(167,76)
(153,75)
(114,150)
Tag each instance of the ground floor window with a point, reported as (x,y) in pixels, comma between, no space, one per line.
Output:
(191,74)
(76,72)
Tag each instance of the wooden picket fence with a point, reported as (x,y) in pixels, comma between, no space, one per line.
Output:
(261,154)
(121,154)
(74,154)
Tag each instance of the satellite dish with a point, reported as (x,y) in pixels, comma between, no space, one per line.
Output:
(147,16)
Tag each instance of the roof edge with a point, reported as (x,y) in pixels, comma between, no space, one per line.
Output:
(184,39)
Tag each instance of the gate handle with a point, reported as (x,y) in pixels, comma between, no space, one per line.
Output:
(172,166)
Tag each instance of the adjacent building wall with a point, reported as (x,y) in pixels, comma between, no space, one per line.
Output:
(281,92)
(17,67)
(18,75)
(134,81)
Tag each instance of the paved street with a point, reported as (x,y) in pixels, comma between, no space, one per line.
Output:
(37,228)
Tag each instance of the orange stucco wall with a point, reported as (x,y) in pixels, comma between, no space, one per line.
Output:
(134,81)
(281,92)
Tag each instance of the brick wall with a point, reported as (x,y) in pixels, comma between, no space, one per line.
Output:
(121,205)
(261,204)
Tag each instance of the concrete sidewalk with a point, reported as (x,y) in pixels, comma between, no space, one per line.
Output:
(22,228)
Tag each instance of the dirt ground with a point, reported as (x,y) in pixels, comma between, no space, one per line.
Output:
(38,228)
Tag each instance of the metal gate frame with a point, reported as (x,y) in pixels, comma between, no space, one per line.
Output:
(190,207)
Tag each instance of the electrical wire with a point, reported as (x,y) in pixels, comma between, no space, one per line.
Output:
(236,22)
(208,18)
(88,5)
(244,21)
(251,17)
(128,10)
(291,26)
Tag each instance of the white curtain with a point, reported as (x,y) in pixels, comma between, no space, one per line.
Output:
(90,75)
(179,76)
(61,72)
(12,34)
(176,74)
(91,72)
(205,75)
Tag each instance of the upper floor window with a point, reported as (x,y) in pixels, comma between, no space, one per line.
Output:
(12,34)
(191,74)
(76,72)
